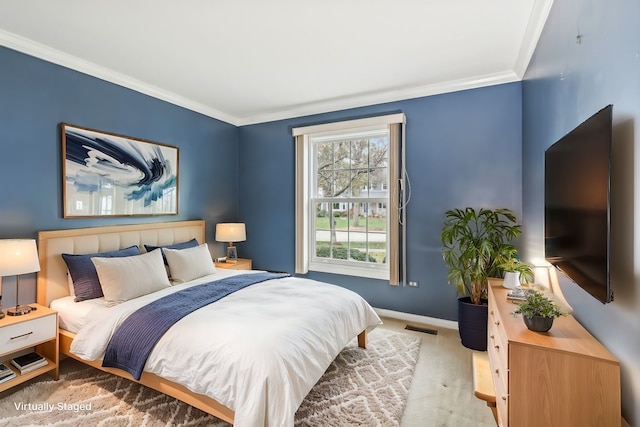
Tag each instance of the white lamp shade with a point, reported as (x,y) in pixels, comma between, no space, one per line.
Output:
(18,256)
(231,232)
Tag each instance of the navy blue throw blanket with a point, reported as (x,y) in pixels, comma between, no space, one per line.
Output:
(133,341)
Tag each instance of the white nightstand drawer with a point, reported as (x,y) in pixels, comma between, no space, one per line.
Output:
(28,333)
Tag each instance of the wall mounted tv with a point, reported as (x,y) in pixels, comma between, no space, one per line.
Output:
(576,204)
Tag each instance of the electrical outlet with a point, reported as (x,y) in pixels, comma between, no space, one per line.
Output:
(413,284)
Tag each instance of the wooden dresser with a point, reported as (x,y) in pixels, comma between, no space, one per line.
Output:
(562,378)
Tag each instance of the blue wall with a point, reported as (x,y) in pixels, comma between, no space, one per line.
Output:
(567,81)
(481,147)
(36,96)
(463,148)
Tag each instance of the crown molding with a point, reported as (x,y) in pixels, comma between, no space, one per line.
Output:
(49,54)
(383,97)
(46,53)
(537,19)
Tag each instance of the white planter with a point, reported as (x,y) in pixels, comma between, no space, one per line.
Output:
(511,280)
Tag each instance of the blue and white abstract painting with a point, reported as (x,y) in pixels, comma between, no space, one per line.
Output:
(114,175)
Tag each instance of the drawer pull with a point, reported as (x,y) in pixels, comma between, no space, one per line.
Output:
(497,347)
(497,371)
(492,336)
(504,398)
(497,322)
(20,336)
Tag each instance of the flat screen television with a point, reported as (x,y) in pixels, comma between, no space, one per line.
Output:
(576,204)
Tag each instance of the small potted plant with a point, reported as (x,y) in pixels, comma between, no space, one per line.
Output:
(515,272)
(538,311)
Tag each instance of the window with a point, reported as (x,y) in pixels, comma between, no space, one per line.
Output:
(344,173)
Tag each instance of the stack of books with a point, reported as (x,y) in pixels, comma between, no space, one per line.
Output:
(519,294)
(5,373)
(29,362)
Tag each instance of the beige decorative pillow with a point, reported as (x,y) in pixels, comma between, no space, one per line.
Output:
(130,277)
(189,264)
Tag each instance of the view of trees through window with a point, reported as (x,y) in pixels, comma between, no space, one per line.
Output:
(350,197)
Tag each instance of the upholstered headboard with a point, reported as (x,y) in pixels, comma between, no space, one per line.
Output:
(52,278)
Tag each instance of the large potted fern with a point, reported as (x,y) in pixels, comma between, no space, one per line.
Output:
(475,245)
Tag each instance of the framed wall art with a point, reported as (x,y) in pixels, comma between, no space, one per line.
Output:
(106,174)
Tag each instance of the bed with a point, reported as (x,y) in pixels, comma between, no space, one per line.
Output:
(243,330)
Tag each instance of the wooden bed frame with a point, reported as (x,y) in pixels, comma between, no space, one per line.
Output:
(53,283)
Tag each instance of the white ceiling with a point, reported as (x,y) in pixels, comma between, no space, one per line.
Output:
(251,61)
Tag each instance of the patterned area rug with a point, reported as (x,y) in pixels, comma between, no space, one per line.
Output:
(360,388)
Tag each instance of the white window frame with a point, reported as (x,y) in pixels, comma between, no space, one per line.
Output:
(305,221)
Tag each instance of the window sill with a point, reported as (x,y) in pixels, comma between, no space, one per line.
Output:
(349,270)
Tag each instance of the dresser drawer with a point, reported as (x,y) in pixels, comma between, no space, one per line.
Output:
(499,373)
(502,405)
(497,339)
(497,346)
(28,333)
(500,350)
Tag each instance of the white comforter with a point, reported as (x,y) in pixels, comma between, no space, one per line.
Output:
(258,351)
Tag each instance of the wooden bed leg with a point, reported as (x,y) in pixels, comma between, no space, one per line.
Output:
(362,339)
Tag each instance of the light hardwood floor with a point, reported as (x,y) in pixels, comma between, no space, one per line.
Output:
(441,393)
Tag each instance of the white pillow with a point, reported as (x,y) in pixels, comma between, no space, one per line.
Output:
(188,264)
(130,277)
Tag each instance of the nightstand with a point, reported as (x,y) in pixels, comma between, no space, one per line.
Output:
(242,264)
(38,329)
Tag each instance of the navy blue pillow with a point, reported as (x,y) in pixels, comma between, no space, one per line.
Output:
(183,245)
(86,284)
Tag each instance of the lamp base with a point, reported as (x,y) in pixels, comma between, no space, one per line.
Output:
(19,310)
(232,254)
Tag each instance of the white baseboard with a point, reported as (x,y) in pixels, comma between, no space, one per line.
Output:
(408,317)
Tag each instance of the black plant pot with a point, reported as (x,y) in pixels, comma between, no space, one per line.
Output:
(538,323)
(472,324)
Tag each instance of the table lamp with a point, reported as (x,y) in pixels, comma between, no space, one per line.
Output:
(18,256)
(231,232)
